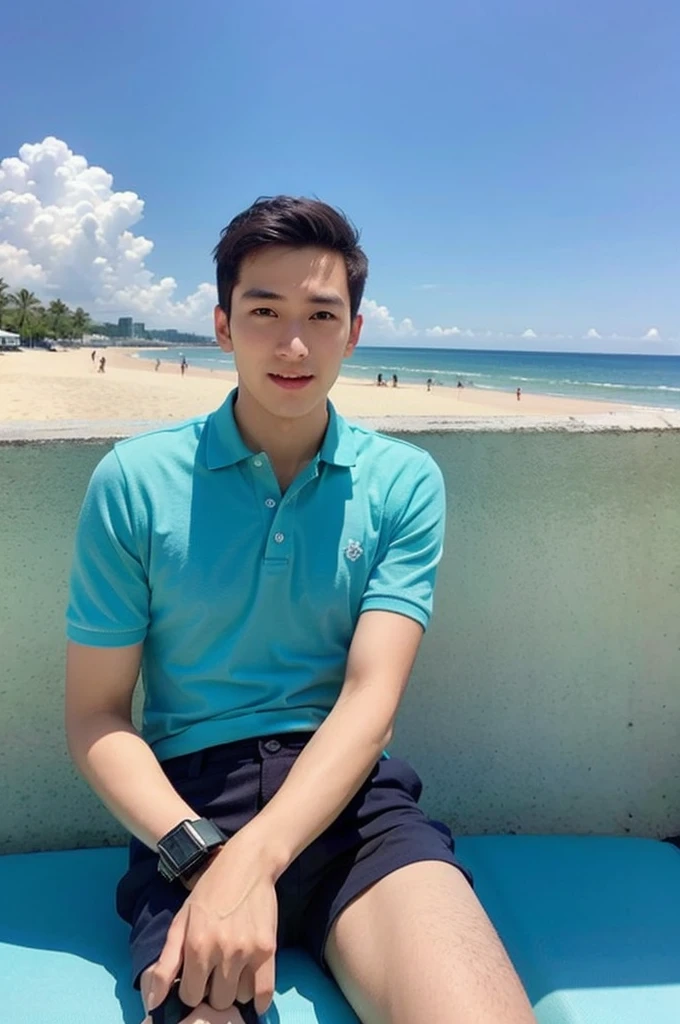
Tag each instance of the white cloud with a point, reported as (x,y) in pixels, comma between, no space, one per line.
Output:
(380,318)
(66,232)
(651,335)
(529,333)
(427,287)
(442,332)
(592,333)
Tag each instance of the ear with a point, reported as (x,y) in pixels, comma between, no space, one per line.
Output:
(354,333)
(222,331)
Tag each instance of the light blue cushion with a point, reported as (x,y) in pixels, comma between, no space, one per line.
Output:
(591,923)
(64,956)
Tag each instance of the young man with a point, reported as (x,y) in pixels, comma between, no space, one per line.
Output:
(271,567)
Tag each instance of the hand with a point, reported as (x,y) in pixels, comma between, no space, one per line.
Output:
(224,937)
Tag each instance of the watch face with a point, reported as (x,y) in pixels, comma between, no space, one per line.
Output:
(179,848)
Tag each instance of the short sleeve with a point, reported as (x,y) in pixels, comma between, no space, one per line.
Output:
(109,593)
(403,577)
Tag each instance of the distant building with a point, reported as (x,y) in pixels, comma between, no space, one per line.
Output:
(124,326)
(138,330)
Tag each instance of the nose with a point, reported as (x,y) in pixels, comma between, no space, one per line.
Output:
(293,347)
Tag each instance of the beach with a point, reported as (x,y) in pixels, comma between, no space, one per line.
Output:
(41,386)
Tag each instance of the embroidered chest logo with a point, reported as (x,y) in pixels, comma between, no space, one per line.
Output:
(353,550)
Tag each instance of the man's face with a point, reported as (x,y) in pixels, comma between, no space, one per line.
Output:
(290,327)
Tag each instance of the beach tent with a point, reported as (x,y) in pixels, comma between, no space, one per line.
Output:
(9,340)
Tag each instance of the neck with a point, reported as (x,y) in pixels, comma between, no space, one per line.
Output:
(289,443)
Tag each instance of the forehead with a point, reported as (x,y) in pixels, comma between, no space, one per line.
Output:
(283,269)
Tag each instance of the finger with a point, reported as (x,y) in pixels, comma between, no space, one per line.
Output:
(246,986)
(264,978)
(195,976)
(145,981)
(169,963)
(225,982)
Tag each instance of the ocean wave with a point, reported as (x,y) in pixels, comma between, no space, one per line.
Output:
(414,369)
(625,387)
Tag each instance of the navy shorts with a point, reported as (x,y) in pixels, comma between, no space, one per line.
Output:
(380,830)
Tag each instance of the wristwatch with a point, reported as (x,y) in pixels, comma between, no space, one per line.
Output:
(185,848)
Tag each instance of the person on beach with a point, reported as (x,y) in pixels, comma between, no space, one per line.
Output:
(183,366)
(158,365)
(94,356)
(270,567)
(519,394)
(379,380)
(102,365)
(395,380)
(459,384)
(429,383)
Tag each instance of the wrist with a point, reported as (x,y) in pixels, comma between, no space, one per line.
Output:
(190,882)
(263,845)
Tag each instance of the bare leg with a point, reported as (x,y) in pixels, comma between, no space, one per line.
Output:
(417,946)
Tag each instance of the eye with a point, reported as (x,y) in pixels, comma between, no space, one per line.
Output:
(263,311)
(324,314)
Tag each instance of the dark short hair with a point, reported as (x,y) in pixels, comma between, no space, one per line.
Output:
(285,220)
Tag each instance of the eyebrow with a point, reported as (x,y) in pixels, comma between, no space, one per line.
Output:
(317,300)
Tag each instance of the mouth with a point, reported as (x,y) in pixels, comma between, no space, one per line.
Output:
(291,381)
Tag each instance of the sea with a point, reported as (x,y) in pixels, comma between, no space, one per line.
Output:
(630,379)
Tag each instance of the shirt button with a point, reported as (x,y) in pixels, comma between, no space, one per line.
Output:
(279,538)
(272,746)
(257,462)
(270,503)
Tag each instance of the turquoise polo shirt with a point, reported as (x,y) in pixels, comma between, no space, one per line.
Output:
(247,599)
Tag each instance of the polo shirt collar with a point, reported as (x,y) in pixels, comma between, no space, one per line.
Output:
(226,447)
(338,447)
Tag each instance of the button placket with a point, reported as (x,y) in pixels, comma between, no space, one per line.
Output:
(280,527)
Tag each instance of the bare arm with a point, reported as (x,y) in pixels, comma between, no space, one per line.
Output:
(223,938)
(339,757)
(107,749)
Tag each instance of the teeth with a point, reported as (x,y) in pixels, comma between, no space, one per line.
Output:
(292,376)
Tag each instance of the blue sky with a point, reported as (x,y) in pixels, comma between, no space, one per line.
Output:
(514,167)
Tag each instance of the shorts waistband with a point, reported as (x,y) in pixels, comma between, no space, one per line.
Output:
(194,764)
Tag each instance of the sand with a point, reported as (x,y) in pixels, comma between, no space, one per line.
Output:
(41,386)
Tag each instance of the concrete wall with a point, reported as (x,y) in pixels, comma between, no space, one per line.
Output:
(546,697)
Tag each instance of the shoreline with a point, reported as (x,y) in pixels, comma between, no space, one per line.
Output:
(37,385)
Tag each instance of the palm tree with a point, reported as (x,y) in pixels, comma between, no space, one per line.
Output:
(80,323)
(4,298)
(58,313)
(27,306)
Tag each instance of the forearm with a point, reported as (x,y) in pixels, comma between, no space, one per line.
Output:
(326,775)
(124,772)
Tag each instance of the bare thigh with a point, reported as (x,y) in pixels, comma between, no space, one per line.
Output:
(417,946)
